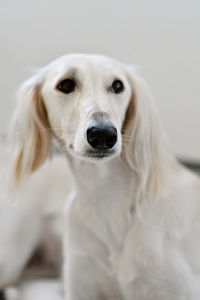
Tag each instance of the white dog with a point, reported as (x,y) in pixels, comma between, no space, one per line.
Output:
(132,227)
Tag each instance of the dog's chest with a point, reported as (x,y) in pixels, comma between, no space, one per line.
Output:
(109,215)
(105,201)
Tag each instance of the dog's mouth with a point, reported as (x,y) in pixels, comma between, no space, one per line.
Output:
(92,154)
(99,154)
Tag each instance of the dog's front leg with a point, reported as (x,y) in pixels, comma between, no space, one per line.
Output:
(86,279)
(81,278)
(88,274)
(20,229)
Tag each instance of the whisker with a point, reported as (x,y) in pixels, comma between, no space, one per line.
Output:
(129,139)
(64,136)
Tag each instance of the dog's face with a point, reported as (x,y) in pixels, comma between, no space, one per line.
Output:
(95,106)
(86,98)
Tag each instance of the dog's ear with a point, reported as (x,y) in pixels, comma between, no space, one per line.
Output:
(30,130)
(143,137)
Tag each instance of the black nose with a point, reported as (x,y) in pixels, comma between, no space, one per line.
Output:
(102,137)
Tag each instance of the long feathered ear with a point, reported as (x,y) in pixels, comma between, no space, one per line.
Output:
(30,130)
(143,138)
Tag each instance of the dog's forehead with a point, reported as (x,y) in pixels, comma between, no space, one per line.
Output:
(88,64)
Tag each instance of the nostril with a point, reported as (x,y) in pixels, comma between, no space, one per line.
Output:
(94,138)
(102,137)
(111,140)
(96,142)
(110,137)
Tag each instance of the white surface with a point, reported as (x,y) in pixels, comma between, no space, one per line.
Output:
(44,289)
(41,290)
(160,36)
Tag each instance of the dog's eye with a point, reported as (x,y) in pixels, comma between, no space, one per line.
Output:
(66,86)
(117,86)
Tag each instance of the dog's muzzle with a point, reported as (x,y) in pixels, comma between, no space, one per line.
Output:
(102,137)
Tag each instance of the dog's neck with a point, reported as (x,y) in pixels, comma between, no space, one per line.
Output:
(92,180)
(104,194)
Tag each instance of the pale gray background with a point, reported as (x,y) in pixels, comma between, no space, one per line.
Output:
(162,37)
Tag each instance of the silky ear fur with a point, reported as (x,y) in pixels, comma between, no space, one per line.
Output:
(143,149)
(30,130)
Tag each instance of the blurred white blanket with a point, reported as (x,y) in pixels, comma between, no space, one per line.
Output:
(37,289)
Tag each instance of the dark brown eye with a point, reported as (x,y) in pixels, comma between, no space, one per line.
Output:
(66,86)
(117,86)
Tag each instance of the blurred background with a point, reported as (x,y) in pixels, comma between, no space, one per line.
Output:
(161,37)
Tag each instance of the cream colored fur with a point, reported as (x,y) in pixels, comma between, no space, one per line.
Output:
(132,223)
(26,217)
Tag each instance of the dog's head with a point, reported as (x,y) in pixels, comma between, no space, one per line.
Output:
(86,98)
(96,107)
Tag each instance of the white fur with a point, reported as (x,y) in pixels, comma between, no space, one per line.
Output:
(132,229)
(27,216)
